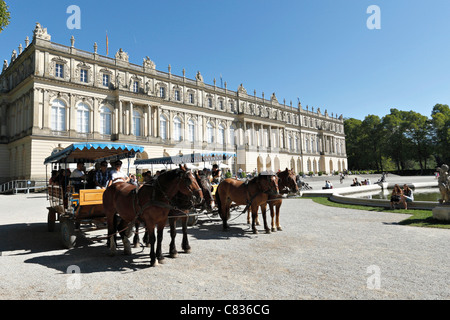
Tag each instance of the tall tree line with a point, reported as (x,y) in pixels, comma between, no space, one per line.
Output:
(401,140)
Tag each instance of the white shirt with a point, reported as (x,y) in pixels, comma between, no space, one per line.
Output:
(118,174)
(77,174)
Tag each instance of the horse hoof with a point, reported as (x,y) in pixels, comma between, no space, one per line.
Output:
(268,231)
(173,254)
(280,229)
(153,263)
(274,230)
(161,261)
(255,231)
(187,250)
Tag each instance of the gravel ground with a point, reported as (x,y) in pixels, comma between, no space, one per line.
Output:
(322,253)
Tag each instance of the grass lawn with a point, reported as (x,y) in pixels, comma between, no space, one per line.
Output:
(419,218)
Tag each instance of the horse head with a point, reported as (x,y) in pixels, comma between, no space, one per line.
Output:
(188,184)
(288,180)
(205,184)
(268,183)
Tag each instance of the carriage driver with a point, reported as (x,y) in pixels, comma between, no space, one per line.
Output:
(117,175)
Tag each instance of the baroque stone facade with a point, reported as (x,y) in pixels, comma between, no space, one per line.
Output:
(52,95)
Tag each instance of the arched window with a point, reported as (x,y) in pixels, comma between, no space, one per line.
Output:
(137,123)
(210,132)
(83,113)
(221,134)
(163,127)
(105,120)
(191,129)
(177,129)
(58,116)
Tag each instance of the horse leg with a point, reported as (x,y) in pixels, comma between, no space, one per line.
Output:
(272,216)
(136,235)
(248,218)
(124,235)
(263,210)
(278,218)
(173,233)
(152,239)
(160,228)
(146,239)
(185,244)
(112,223)
(254,217)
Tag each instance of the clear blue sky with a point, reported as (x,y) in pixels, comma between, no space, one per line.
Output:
(318,50)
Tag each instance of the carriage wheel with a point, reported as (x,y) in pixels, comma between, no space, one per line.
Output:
(51,219)
(68,235)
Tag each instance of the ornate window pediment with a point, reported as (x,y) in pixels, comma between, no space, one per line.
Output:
(83,73)
(59,68)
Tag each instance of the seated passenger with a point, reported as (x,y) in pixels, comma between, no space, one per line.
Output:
(77,176)
(102,176)
(117,175)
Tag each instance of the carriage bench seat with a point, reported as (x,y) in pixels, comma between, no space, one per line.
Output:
(91,197)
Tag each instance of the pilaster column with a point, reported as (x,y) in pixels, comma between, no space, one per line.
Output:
(130,119)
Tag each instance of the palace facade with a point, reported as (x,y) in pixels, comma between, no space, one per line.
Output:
(52,95)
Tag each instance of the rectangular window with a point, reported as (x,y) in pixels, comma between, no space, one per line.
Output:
(59,70)
(136,86)
(177,95)
(191,98)
(106,80)
(210,102)
(162,92)
(83,76)
(191,131)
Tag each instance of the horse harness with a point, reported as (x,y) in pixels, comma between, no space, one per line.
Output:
(252,197)
(153,202)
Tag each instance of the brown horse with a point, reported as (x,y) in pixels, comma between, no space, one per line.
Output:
(251,193)
(184,206)
(150,204)
(287,184)
(182,213)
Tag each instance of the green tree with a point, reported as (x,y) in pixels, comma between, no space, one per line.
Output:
(372,141)
(4,15)
(418,132)
(397,146)
(440,121)
(352,128)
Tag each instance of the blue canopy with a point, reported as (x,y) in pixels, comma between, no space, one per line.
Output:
(94,152)
(187,158)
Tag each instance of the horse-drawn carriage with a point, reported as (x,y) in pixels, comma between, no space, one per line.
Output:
(73,206)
